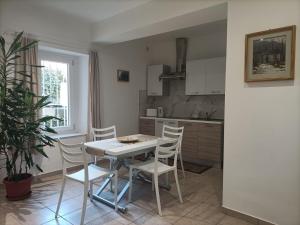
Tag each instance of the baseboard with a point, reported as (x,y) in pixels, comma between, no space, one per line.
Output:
(242,216)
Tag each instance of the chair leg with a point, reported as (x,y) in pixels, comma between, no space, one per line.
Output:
(130,184)
(157,194)
(60,196)
(181,162)
(91,191)
(85,196)
(177,186)
(116,191)
(153,183)
(167,174)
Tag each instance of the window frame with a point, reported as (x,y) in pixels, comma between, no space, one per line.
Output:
(70,60)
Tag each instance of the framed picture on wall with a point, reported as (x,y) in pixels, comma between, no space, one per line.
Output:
(270,55)
(123,75)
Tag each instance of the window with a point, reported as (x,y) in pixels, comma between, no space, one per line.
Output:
(64,77)
(54,82)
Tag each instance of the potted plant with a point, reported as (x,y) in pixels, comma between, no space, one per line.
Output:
(23,134)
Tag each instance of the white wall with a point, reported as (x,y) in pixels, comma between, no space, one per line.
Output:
(200,46)
(262,129)
(52,27)
(55,30)
(119,100)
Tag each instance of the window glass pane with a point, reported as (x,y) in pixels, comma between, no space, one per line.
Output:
(54,82)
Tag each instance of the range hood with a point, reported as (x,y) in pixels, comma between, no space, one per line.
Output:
(181,50)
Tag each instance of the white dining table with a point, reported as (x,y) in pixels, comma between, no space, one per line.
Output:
(121,152)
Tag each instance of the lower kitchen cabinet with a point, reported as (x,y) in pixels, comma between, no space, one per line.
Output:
(202,142)
(147,126)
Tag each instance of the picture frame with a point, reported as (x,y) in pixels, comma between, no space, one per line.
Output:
(270,55)
(123,75)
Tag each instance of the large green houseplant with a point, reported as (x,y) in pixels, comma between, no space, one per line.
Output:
(23,134)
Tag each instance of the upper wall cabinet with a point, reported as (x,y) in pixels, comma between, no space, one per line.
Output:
(195,78)
(205,76)
(215,75)
(155,86)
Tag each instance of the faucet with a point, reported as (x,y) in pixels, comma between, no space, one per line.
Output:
(208,115)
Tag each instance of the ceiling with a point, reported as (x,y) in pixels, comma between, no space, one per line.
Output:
(202,29)
(89,10)
(114,21)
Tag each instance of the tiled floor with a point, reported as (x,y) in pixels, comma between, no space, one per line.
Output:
(201,194)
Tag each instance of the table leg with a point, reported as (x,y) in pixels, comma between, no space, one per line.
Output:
(109,181)
(97,196)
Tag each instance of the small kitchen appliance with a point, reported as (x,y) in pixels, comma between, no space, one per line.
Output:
(160,111)
(151,112)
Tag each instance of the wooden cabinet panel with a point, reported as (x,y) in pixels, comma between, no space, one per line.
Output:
(147,126)
(202,142)
(210,142)
(189,141)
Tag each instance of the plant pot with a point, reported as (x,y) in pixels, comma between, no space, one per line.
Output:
(18,190)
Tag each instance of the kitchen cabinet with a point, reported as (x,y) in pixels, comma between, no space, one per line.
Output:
(160,122)
(195,78)
(147,126)
(205,76)
(210,139)
(155,86)
(202,142)
(215,75)
(190,142)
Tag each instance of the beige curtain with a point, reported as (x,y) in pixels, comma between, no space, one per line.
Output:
(94,90)
(28,58)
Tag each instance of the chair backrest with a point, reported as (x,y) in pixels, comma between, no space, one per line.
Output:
(73,154)
(166,149)
(173,132)
(104,133)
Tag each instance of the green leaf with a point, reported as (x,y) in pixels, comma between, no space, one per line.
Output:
(41,151)
(39,168)
(15,43)
(21,133)
(2,45)
(47,118)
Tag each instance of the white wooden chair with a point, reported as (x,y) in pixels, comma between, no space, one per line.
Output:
(75,155)
(175,132)
(156,167)
(101,134)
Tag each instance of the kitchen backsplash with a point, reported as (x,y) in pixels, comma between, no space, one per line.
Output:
(177,104)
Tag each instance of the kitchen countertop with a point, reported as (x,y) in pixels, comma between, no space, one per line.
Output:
(217,121)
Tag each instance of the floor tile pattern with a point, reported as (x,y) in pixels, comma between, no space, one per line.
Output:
(201,206)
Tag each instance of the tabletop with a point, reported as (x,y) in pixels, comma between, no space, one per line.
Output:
(115,148)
